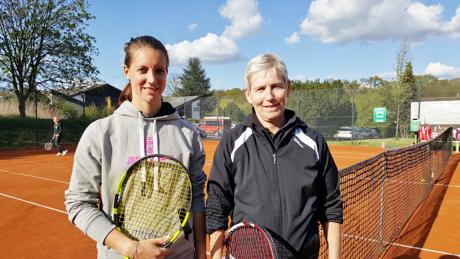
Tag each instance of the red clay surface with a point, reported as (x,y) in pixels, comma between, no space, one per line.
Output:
(34,223)
(435,227)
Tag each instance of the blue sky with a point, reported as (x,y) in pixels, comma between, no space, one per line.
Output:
(322,39)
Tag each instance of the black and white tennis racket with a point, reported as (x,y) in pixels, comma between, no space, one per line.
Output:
(153,199)
(49,145)
(247,240)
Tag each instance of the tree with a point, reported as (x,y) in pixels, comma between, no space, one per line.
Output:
(234,112)
(408,79)
(401,91)
(173,85)
(374,82)
(194,82)
(43,44)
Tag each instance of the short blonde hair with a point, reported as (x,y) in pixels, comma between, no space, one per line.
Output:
(263,62)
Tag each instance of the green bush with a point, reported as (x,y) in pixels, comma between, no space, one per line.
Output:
(92,112)
(68,111)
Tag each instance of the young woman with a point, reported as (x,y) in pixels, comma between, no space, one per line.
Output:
(143,124)
(275,171)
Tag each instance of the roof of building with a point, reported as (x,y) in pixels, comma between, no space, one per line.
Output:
(97,87)
(177,101)
(66,97)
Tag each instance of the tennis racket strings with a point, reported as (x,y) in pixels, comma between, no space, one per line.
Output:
(49,145)
(148,211)
(246,240)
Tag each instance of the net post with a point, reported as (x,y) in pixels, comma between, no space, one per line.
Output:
(382,197)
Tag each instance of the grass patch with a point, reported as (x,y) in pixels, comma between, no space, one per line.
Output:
(390,143)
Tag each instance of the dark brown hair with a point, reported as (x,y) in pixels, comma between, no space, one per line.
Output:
(130,47)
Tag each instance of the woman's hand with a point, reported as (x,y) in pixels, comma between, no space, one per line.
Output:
(150,248)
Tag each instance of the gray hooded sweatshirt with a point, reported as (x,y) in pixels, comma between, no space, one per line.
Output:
(108,147)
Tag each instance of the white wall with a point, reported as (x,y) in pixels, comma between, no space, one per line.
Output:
(437,112)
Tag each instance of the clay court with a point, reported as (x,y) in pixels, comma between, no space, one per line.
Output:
(34,222)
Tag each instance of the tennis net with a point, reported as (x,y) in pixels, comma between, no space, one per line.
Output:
(382,193)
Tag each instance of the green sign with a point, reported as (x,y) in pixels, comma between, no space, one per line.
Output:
(414,125)
(380,114)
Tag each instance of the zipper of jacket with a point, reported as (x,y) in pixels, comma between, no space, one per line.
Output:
(272,144)
(280,196)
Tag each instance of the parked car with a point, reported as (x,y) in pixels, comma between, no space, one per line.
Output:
(369,133)
(345,133)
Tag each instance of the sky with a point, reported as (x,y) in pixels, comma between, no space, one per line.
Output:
(321,39)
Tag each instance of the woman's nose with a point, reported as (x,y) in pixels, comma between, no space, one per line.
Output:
(151,78)
(269,94)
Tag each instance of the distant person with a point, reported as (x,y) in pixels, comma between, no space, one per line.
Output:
(424,132)
(57,137)
(275,171)
(141,125)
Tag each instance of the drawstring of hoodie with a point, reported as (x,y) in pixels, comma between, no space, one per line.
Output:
(156,144)
(156,148)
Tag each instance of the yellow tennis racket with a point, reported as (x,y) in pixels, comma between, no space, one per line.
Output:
(153,199)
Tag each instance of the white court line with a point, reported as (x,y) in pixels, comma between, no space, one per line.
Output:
(33,176)
(424,249)
(406,246)
(33,203)
(448,185)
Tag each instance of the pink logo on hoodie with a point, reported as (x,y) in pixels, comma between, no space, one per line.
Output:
(148,151)
(149,145)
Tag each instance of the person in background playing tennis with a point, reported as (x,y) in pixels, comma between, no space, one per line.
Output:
(142,125)
(274,171)
(57,137)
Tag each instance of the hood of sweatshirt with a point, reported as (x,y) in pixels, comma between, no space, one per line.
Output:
(166,113)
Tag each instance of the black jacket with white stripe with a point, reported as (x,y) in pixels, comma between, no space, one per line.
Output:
(287,182)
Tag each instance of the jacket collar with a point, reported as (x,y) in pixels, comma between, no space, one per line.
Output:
(291,121)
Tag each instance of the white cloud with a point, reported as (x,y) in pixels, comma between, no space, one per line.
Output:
(332,21)
(453,26)
(442,71)
(192,26)
(244,17)
(210,49)
(245,20)
(293,39)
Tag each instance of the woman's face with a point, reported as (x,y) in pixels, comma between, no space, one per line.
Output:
(147,74)
(268,95)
